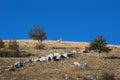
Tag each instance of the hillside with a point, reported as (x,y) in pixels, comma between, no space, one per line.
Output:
(64,69)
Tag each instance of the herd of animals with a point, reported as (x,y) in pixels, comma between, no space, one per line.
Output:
(50,57)
(54,57)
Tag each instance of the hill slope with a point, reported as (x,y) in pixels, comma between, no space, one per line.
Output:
(63,69)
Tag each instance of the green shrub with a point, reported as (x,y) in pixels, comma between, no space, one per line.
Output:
(37,33)
(98,44)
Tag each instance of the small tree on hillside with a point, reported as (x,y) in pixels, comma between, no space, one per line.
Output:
(2,48)
(13,45)
(14,48)
(37,33)
(99,44)
(2,44)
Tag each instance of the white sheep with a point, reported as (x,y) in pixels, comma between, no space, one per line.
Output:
(65,55)
(59,40)
(50,57)
(11,68)
(36,60)
(15,66)
(18,64)
(82,65)
(74,51)
(27,61)
(77,64)
(70,54)
(57,56)
(84,51)
(43,59)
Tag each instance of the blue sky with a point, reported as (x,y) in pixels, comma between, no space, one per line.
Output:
(71,20)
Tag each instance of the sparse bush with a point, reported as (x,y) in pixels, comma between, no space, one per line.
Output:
(9,53)
(40,46)
(107,76)
(26,54)
(3,53)
(90,77)
(98,44)
(13,45)
(2,44)
(13,50)
(58,48)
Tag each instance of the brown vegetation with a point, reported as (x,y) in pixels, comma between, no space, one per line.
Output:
(63,69)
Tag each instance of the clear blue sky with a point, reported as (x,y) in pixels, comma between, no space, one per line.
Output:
(71,20)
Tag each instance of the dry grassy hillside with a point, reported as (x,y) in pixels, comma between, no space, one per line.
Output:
(64,68)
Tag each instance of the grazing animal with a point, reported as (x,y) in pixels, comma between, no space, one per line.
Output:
(70,54)
(67,55)
(27,61)
(43,59)
(59,41)
(36,60)
(64,55)
(18,64)
(91,77)
(57,56)
(77,64)
(74,51)
(84,51)
(82,65)
(11,68)
(50,57)
(15,66)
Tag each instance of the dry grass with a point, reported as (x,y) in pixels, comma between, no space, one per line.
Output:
(62,69)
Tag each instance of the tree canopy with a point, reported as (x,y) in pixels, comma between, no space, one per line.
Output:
(37,33)
(99,44)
